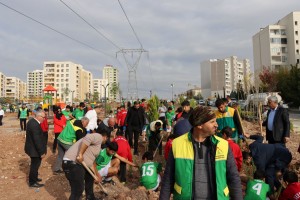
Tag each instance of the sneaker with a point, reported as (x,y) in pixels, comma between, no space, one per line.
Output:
(36,185)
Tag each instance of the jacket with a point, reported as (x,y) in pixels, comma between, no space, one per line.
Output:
(281,125)
(45,125)
(59,124)
(34,144)
(135,117)
(73,132)
(229,118)
(178,177)
(123,148)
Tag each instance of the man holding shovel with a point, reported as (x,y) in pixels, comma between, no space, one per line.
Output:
(84,150)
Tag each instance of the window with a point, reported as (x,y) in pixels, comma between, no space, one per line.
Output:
(284,58)
(297,42)
(296,32)
(297,60)
(57,70)
(296,23)
(283,40)
(62,70)
(67,70)
(297,51)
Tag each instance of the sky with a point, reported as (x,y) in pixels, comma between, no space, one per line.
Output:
(176,36)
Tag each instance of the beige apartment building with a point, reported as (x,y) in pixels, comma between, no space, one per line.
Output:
(15,89)
(2,84)
(35,84)
(99,88)
(277,45)
(219,76)
(111,73)
(71,81)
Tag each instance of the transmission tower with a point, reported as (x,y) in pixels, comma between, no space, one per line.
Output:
(132,58)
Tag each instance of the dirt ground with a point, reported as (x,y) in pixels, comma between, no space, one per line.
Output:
(14,167)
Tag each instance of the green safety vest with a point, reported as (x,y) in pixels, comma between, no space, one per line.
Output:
(68,134)
(183,152)
(23,113)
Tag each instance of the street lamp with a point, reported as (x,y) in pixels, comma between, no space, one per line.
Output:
(105,87)
(172,85)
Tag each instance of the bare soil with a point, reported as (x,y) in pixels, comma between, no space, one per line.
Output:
(14,168)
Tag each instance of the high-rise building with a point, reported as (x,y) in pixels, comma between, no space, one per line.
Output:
(112,75)
(15,89)
(71,81)
(222,76)
(35,83)
(99,88)
(2,84)
(277,45)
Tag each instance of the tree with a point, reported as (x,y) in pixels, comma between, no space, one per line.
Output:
(268,80)
(153,104)
(114,89)
(96,96)
(65,92)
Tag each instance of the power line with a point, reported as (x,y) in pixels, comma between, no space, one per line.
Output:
(130,24)
(61,33)
(90,25)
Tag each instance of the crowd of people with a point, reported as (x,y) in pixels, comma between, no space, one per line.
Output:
(206,151)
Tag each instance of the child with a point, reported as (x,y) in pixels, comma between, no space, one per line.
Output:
(106,166)
(237,153)
(149,171)
(168,145)
(257,189)
(124,151)
(292,191)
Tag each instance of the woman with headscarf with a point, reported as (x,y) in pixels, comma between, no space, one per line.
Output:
(59,121)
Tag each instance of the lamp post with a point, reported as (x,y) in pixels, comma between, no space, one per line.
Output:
(105,87)
(172,86)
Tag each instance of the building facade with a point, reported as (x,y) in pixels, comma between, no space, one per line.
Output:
(277,45)
(15,89)
(35,84)
(219,77)
(99,88)
(112,75)
(71,81)
(2,84)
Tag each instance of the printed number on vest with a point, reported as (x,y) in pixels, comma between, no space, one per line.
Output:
(148,170)
(257,187)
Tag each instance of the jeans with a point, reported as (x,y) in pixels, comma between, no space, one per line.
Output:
(23,124)
(62,148)
(55,141)
(134,132)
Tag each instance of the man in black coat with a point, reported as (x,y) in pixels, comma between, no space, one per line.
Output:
(135,121)
(35,147)
(270,158)
(277,123)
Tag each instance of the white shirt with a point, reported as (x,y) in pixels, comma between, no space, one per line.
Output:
(92,115)
(2,112)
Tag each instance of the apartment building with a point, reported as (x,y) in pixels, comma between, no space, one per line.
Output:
(15,89)
(112,75)
(35,83)
(277,45)
(99,88)
(71,81)
(2,84)
(222,76)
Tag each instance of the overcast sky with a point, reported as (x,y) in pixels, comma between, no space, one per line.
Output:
(177,34)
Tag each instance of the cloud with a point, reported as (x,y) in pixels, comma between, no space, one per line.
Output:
(178,36)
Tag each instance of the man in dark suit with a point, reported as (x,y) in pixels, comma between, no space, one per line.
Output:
(35,147)
(277,123)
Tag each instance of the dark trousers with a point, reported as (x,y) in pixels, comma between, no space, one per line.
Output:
(122,172)
(23,124)
(79,180)
(1,117)
(134,132)
(55,141)
(154,143)
(45,139)
(34,168)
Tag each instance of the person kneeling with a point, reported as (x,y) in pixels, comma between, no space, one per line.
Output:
(149,171)
(106,165)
